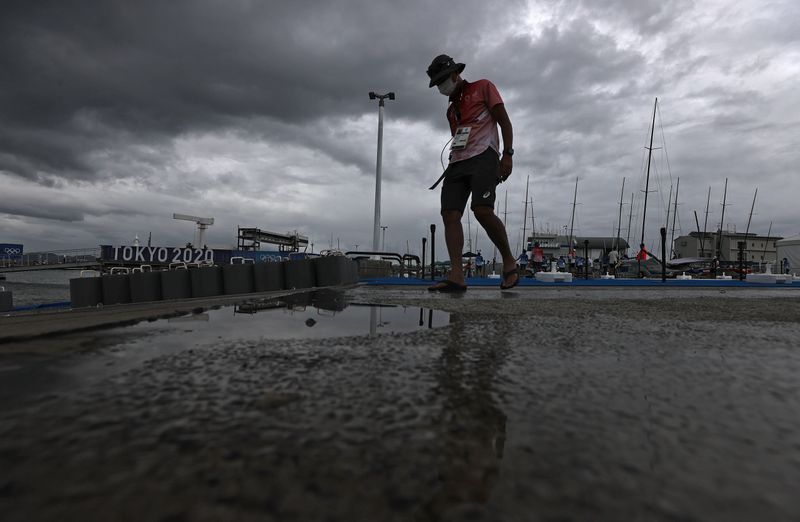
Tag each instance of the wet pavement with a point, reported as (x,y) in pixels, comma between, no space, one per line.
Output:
(536,404)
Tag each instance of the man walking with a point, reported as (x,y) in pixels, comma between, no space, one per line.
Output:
(474,113)
(479,265)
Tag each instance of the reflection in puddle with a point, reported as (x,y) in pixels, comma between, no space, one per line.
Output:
(96,355)
(314,315)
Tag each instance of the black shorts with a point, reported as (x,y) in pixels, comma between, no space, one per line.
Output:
(478,176)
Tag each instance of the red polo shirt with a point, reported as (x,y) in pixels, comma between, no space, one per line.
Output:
(470,108)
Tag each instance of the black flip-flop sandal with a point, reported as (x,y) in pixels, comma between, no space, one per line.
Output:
(447,286)
(506,275)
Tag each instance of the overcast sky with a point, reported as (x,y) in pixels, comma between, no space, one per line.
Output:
(115,114)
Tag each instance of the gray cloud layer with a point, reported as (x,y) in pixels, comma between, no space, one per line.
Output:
(167,102)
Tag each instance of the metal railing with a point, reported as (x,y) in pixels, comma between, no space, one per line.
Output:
(51,258)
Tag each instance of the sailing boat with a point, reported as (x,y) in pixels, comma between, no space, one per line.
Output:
(645,264)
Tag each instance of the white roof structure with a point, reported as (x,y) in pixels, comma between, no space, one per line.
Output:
(789,248)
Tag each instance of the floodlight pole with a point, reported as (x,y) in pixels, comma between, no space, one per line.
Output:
(377,222)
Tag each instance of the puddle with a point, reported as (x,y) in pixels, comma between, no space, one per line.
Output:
(97,355)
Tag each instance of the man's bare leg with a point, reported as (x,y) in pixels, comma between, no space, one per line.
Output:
(454,239)
(497,234)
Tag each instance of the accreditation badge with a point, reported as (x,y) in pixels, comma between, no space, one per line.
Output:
(460,138)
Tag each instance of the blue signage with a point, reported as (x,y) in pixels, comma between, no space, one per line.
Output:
(154,255)
(145,255)
(10,251)
(261,256)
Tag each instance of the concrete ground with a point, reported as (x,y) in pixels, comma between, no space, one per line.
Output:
(533,404)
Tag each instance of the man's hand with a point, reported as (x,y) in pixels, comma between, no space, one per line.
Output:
(501,117)
(506,164)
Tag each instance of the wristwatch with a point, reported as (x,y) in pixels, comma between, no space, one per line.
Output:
(510,152)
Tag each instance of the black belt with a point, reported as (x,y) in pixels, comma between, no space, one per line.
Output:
(438,181)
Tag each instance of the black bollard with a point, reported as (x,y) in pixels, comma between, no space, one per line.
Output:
(268,276)
(86,291)
(7,300)
(433,251)
(299,273)
(586,259)
(663,254)
(176,284)
(116,288)
(424,241)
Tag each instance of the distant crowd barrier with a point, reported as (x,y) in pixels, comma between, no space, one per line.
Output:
(186,280)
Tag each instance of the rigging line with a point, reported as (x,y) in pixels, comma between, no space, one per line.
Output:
(664,143)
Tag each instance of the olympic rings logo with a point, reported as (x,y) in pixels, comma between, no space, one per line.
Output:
(11,251)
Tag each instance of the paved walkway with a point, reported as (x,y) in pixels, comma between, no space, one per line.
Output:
(534,404)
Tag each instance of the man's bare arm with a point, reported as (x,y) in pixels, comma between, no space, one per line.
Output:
(506,130)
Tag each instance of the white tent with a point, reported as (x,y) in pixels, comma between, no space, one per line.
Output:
(789,248)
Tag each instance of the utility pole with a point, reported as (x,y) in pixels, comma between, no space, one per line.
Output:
(377,220)
(383,240)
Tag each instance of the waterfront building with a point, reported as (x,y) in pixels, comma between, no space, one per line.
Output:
(757,249)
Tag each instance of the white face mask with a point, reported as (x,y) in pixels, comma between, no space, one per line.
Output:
(447,87)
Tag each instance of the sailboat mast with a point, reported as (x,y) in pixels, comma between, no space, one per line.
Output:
(747,231)
(722,221)
(630,218)
(669,207)
(494,250)
(705,224)
(525,214)
(697,222)
(619,221)
(674,216)
(764,254)
(647,182)
(666,223)
(469,233)
(533,222)
(572,222)
(505,212)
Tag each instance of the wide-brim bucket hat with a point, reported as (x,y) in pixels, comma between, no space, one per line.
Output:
(441,67)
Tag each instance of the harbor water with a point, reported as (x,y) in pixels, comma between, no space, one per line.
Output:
(39,287)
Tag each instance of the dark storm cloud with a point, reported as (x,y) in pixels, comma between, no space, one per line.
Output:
(159,69)
(574,84)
